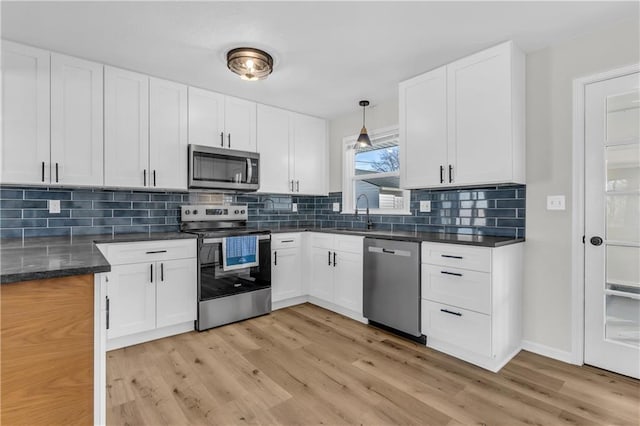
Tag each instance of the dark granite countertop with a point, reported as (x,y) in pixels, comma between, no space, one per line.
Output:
(464,239)
(53,257)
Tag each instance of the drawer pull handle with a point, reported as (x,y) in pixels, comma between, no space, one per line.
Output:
(287,241)
(448,256)
(156,251)
(446,311)
(451,273)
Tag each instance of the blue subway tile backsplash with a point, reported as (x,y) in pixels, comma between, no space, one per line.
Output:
(494,210)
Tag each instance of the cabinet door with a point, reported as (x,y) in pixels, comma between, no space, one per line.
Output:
(167,134)
(321,285)
(126,122)
(132,299)
(309,154)
(206,118)
(480,138)
(240,124)
(25,110)
(273,146)
(347,281)
(76,121)
(286,274)
(423,130)
(176,284)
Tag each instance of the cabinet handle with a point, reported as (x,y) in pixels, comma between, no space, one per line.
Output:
(329,258)
(275,257)
(156,251)
(441,174)
(107,303)
(297,186)
(151,273)
(154,178)
(162,272)
(43,171)
(334,259)
(222,139)
(56,172)
(451,256)
(229,138)
(451,273)
(446,311)
(144,177)
(450,173)
(287,241)
(291,185)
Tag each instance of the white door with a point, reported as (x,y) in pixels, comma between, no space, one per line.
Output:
(126,120)
(76,122)
(286,279)
(321,281)
(273,146)
(132,299)
(206,118)
(612,225)
(479,113)
(423,130)
(347,281)
(177,294)
(167,134)
(239,124)
(309,155)
(25,114)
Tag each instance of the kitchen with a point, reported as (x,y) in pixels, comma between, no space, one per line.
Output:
(109,108)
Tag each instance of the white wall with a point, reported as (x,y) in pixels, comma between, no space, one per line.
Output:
(550,75)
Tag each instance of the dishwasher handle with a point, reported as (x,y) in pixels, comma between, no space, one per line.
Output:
(382,250)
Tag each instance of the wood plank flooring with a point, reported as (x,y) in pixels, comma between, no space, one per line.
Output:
(305,365)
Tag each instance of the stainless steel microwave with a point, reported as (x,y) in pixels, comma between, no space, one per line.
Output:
(224,169)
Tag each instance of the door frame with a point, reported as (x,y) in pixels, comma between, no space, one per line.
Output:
(578,207)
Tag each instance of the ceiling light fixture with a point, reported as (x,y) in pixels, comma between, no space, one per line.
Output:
(363,139)
(249,63)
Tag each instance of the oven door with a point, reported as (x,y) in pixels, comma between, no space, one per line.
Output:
(214,282)
(219,168)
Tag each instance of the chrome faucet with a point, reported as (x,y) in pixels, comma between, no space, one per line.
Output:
(369,224)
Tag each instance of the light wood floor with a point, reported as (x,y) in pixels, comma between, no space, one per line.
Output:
(306,365)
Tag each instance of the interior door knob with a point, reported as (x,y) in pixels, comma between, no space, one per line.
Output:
(596,241)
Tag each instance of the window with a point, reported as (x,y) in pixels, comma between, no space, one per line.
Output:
(374,174)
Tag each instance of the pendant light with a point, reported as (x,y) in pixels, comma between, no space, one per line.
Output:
(363,139)
(249,63)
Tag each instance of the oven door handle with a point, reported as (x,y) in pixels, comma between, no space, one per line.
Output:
(249,170)
(219,240)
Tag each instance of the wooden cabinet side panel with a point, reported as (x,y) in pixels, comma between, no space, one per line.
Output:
(47,351)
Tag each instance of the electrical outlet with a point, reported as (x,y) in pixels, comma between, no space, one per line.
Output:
(555,202)
(54,206)
(425,206)
(336,207)
(294,207)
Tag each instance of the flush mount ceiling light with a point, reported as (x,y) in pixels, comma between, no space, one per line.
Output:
(363,139)
(249,63)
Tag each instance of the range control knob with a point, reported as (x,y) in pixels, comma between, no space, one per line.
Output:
(195,212)
(236,212)
(187,212)
(242,211)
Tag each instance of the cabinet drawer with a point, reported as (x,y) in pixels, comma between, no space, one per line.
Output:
(466,329)
(348,243)
(148,251)
(457,287)
(279,241)
(457,256)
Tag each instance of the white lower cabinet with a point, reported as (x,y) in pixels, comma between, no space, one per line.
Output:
(151,290)
(286,268)
(471,301)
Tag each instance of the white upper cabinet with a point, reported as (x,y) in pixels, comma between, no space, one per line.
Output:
(167,134)
(25,114)
(221,121)
(423,129)
(76,121)
(126,116)
(481,100)
(293,152)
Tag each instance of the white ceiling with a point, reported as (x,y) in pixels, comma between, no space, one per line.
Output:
(328,55)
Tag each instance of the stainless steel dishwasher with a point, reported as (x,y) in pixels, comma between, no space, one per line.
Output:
(392,285)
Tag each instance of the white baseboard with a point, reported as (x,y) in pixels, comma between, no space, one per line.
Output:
(548,351)
(289,302)
(158,333)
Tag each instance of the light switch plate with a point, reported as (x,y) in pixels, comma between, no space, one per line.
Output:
(555,202)
(425,206)
(294,207)
(54,206)
(336,207)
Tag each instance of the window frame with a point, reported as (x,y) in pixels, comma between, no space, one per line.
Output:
(349,176)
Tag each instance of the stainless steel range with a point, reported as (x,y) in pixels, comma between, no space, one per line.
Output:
(234,264)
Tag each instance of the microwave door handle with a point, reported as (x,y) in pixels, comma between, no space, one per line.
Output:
(249,170)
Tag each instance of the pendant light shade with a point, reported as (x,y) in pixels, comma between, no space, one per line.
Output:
(363,139)
(249,63)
